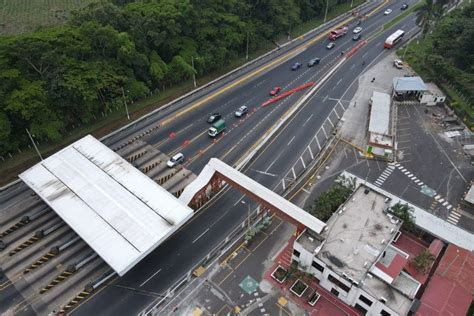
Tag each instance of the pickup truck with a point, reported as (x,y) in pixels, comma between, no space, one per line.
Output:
(217,128)
(338,33)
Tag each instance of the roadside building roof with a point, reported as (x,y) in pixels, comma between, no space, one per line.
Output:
(380,113)
(449,292)
(470,195)
(117,210)
(406,84)
(357,235)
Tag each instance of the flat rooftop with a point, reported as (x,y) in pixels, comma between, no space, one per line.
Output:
(358,233)
(379,121)
(120,212)
(380,289)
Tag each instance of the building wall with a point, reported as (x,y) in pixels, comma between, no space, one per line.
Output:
(347,292)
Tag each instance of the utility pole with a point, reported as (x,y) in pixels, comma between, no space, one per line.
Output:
(247,50)
(326,13)
(194,71)
(248,214)
(352,3)
(125,102)
(34,144)
(405,51)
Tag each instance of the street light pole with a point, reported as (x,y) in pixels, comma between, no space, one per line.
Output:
(125,101)
(405,51)
(248,214)
(326,13)
(34,144)
(247,50)
(194,71)
(352,3)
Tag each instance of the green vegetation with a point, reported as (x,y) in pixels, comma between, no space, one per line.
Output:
(328,202)
(66,81)
(423,261)
(445,55)
(405,213)
(20,16)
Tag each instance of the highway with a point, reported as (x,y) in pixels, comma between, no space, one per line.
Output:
(150,279)
(187,119)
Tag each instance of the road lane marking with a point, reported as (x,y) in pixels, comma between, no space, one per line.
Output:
(291,140)
(146,281)
(197,238)
(307,120)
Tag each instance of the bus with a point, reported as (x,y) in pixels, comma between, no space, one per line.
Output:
(393,39)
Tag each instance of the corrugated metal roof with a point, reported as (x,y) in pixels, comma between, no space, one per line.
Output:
(280,203)
(380,114)
(121,213)
(405,84)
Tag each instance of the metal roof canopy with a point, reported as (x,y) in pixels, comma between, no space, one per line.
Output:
(215,165)
(380,113)
(120,212)
(408,84)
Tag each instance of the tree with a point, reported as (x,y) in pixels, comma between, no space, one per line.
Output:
(423,261)
(328,202)
(405,213)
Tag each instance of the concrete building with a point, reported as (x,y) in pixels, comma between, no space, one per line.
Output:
(355,258)
(434,96)
(380,139)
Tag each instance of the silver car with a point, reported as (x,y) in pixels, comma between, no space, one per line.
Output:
(241,111)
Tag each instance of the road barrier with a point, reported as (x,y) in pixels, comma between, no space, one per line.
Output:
(287,93)
(24,221)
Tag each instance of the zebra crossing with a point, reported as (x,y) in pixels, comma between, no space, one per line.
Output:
(384,175)
(454,214)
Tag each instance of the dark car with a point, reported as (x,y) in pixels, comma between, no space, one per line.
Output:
(313,62)
(214,117)
(275,91)
(404,6)
(356,37)
(296,66)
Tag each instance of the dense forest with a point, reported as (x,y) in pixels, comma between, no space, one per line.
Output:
(56,78)
(446,54)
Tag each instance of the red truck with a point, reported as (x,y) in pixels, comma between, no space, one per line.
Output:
(337,33)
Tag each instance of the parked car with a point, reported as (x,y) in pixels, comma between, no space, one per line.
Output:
(313,62)
(387,12)
(404,6)
(296,66)
(241,111)
(175,160)
(397,63)
(356,37)
(275,91)
(214,117)
(357,30)
(331,45)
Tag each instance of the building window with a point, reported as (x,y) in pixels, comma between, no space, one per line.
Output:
(360,309)
(385,313)
(365,300)
(341,285)
(317,266)
(296,253)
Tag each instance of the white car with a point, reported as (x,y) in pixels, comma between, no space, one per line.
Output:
(175,160)
(357,30)
(387,12)
(397,63)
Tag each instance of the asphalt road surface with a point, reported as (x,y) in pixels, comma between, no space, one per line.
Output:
(150,279)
